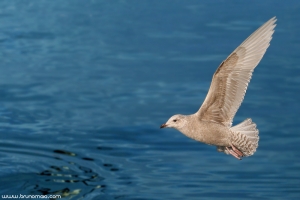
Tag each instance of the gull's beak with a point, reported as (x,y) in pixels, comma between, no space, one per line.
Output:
(163,126)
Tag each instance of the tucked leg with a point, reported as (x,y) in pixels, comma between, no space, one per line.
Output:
(238,152)
(233,153)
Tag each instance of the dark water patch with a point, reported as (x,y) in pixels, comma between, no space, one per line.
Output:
(64,152)
(90,159)
(32,35)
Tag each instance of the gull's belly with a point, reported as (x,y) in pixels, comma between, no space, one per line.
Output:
(209,133)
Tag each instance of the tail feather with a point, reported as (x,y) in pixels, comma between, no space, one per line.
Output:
(244,137)
(246,125)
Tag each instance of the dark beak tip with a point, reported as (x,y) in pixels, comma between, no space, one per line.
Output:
(163,126)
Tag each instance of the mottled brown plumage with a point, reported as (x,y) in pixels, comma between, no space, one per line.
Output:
(212,123)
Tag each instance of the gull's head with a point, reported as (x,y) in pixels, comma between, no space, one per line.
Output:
(176,121)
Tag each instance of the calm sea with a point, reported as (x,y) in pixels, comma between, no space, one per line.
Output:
(85,85)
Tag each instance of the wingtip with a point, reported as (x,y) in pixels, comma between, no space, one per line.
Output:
(273,19)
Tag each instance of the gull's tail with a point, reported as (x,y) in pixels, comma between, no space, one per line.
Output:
(244,137)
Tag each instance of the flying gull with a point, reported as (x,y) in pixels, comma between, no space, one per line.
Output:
(212,123)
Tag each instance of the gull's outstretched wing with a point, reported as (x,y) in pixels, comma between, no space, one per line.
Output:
(230,81)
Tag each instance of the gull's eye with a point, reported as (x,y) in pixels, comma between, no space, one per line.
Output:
(174,120)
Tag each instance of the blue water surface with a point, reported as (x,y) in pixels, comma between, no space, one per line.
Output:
(85,85)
